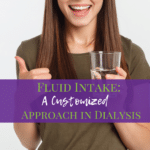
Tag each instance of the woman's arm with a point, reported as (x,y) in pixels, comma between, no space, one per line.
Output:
(27,134)
(135,136)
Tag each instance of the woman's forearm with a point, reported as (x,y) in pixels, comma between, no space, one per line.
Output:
(27,134)
(135,136)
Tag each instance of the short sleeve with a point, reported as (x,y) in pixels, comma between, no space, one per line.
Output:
(139,67)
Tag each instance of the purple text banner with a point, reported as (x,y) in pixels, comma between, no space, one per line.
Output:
(75,101)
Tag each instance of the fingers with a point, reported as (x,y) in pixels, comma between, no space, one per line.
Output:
(121,72)
(112,76)
(40,71)
(97,75)
(22,65)
(42,76)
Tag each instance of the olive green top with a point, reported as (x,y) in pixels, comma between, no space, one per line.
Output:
(83,136)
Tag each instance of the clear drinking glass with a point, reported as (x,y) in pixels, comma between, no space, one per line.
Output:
(103,63)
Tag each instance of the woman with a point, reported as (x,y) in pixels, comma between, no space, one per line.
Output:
(73,28)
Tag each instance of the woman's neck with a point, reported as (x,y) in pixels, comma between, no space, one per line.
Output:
(81,36)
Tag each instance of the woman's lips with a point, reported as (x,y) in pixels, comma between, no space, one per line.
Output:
(80,5)
(80,13)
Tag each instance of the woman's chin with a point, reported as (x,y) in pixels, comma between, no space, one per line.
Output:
(79,23)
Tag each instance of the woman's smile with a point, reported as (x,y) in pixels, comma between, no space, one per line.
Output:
(80,10)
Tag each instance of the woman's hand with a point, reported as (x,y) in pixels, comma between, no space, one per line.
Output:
(40,73)
(120,71)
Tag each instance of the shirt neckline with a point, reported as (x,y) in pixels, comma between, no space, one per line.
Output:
(79,54)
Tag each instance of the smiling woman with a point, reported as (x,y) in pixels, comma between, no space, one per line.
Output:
(61,52)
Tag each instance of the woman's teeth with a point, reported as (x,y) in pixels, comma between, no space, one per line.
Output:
(79,7)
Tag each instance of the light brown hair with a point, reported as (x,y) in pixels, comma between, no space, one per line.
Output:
(53,50)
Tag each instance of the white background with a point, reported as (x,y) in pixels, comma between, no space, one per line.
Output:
(22,19)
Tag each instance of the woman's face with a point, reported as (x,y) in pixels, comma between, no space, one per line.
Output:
(80,12)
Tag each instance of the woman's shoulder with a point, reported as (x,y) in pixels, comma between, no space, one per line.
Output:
(131,49)
(136,60)
(31,43)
